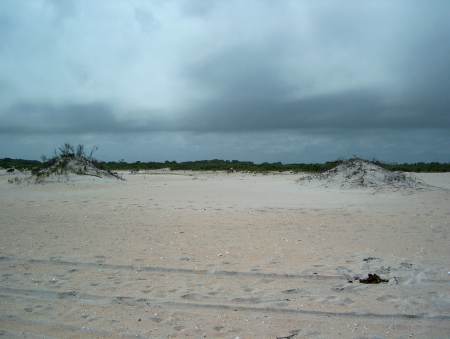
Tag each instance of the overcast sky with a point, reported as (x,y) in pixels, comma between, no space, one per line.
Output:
(260,80)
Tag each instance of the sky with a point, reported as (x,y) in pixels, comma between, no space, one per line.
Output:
(258,80)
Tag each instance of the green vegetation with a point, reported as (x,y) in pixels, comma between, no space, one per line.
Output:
(219,165)
(215,165)
(419,167)
(247,166)
(19,164)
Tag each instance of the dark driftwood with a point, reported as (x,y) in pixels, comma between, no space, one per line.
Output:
(373,279)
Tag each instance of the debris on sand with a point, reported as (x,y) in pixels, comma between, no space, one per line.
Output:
(373,279)
(292,334)
(359,173)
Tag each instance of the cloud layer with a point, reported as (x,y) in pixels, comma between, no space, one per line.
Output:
(331,75)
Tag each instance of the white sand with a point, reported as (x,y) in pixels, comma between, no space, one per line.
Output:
(221,256)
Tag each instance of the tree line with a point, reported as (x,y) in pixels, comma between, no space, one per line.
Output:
(229,165)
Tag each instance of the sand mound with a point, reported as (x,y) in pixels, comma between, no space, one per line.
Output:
(359,173)
(63,167)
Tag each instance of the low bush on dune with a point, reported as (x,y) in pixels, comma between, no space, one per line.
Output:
(72,160)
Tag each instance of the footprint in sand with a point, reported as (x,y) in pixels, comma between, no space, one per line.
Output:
(247,300)
(387,298)
(294,291)
(193,296)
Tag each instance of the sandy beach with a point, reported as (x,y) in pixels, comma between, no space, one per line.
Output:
(217,255)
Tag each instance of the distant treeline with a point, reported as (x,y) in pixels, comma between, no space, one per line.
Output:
(418,167)
(221,165)
(231,165)
(20,163)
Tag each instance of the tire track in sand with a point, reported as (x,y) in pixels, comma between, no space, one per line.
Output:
(131,301)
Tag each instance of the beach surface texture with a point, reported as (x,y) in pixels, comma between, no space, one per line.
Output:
(166,254)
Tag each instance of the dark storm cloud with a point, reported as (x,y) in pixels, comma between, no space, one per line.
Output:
(46,118)
(319,69)
(251,92)
(358,109)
